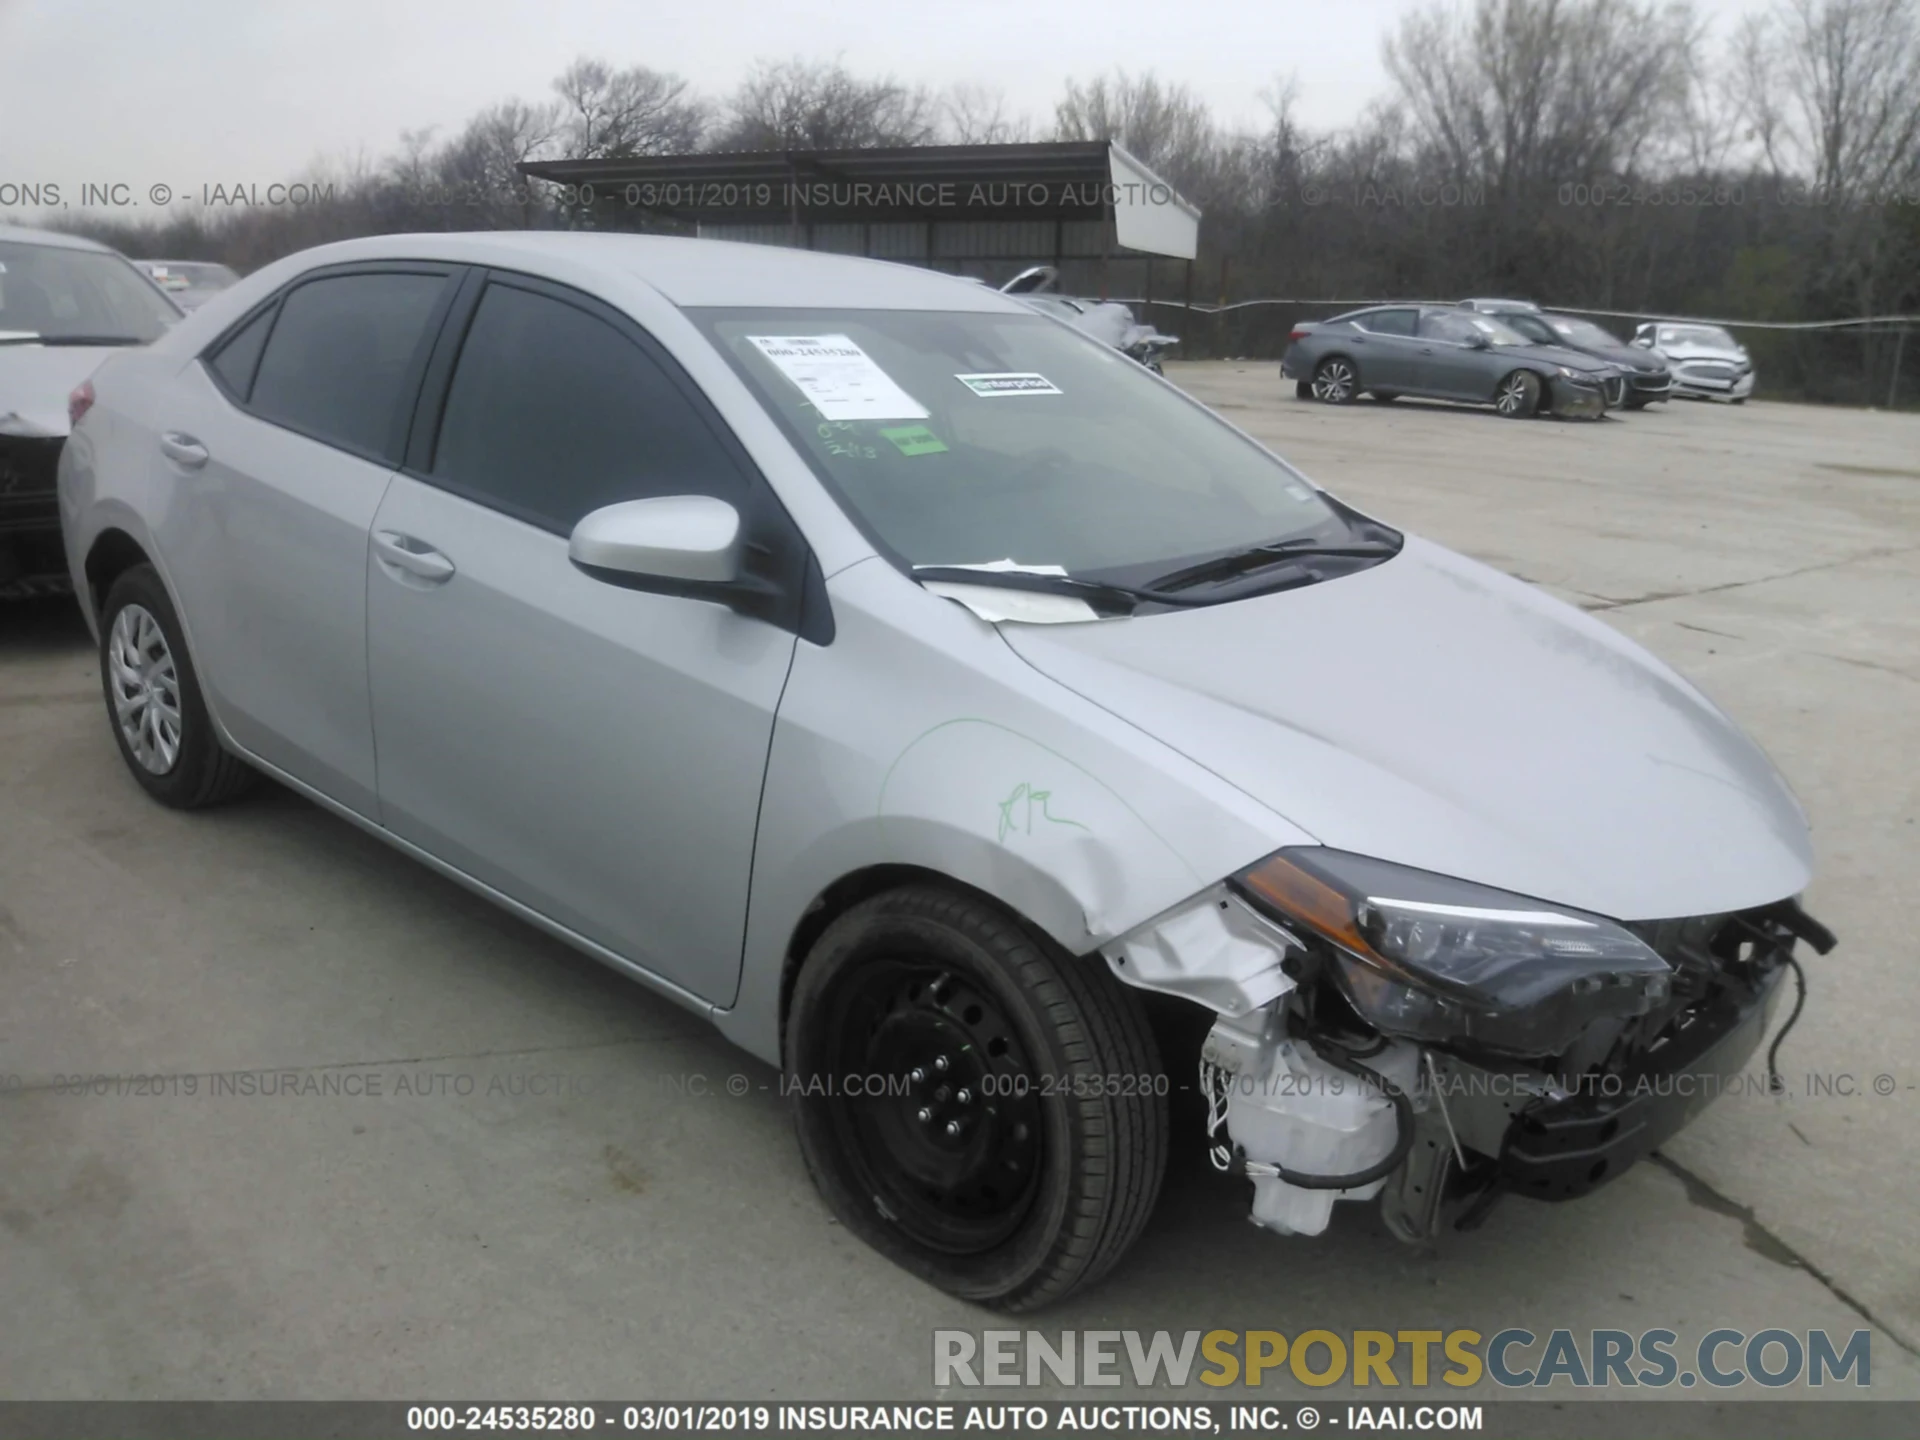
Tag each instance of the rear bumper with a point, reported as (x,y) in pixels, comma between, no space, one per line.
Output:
(32,558)
(1563,1149)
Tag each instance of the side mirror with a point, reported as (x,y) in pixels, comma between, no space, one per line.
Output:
(670,537)
(1477,341)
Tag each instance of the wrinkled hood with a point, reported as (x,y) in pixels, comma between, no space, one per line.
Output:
(1560,355)
(1693,351)
(1626,357)
(35,381)
(1435,712)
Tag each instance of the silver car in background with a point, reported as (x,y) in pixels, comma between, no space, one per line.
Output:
(917,689)
(1708,363)
(189,283)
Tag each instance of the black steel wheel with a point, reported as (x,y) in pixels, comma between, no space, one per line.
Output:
(985,1111)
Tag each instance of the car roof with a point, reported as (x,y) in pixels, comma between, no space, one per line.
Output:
(692,272)
(54,239)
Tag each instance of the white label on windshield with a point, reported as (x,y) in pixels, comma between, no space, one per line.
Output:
(839,377)
(1009,383)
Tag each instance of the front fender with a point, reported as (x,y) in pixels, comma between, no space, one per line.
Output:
(920,739)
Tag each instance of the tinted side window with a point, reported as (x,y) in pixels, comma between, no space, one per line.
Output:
(337,364)
(236,360)
(553,413)
(1389,322)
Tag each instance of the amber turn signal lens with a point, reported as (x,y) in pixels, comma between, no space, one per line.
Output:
(1292,891)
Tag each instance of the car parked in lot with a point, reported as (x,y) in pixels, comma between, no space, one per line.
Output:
(1708,363)
(1108,321)
(915,687)
(1645,374)
(189,283)
(1444,353)
(64,304)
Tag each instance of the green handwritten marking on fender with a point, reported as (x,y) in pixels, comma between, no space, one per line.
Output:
(1035,799)
(915,440)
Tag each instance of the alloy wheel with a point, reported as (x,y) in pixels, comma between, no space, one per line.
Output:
(146,689)
(1512,399)
(1333,382)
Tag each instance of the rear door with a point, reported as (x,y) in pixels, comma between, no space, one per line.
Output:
(593,752)
(1384,348)
(277,448)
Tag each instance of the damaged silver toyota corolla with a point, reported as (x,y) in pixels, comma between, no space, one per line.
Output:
(911,685)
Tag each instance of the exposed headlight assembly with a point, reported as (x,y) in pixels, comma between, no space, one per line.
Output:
(1427,957)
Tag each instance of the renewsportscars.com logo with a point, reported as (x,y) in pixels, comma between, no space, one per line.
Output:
(1513,1358)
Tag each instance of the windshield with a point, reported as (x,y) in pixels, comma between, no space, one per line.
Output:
(1583,332)
(58,293)
(1498,332)
(970,439)
(1711,336)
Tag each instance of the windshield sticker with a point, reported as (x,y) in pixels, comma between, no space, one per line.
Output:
(1009,383)
(838,377)
(915,440)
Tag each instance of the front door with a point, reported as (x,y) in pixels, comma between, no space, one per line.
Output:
(592,751)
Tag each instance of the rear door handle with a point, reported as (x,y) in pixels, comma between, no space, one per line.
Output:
(183,449)
(415,557)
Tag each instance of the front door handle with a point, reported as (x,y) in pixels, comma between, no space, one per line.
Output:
(183,449)
(415,557)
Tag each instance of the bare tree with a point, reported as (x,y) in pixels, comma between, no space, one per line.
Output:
(1164,125)
(611,114)
(800,105)
(977,115)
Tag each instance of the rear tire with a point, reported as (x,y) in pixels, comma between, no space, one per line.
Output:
(1335,381)
(1518,396)
(154,705)
(1023,1150)
(1638,404)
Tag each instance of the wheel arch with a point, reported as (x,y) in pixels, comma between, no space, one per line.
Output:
(112,553)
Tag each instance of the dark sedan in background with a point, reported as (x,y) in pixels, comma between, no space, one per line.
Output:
(1648,376)
(1445,353)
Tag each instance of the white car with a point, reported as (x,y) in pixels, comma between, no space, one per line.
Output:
(65,303)
(915,688)
(1707,362)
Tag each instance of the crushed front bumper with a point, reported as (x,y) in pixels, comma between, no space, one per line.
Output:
(1573,400)
(1563,1148)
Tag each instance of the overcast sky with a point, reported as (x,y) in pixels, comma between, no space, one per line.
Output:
(193,92)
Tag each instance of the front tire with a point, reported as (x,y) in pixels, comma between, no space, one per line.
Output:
(1019,1145)
(1335,381)
(1518,396)
(154,705)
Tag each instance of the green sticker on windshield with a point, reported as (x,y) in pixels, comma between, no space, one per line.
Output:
(915,440)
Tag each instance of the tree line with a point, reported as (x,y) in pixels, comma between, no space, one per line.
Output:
(1598,155)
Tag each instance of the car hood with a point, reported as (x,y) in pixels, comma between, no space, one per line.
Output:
(1560,355)
(1437,713)
(1703,352)
(1625,357)
(35,381)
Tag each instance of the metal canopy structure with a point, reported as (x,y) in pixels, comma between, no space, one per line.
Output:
(972,209)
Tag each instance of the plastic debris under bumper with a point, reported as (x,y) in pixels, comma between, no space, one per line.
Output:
(1563,1149)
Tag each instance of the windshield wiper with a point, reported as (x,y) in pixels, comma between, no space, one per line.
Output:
(1094,592)
(1259,557)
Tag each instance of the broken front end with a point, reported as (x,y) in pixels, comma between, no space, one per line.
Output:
(1391,1032)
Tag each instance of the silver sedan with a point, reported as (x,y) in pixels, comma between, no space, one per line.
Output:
(914,688)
